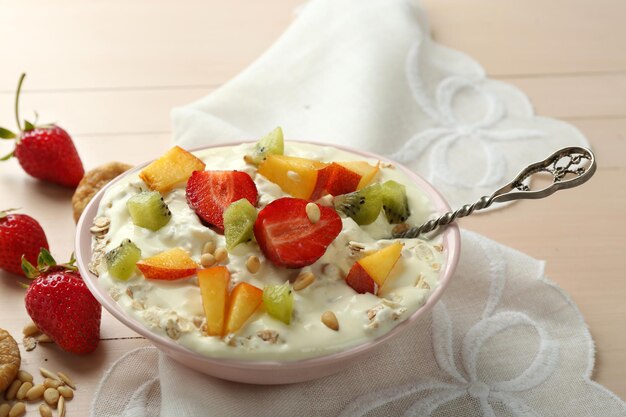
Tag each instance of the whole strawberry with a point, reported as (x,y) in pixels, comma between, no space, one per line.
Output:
(60,304)
(20,235)
(45,152)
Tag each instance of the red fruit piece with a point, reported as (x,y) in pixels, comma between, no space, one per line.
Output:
(45,152)
(60,304)
(360,280)
(335,180)
(19,235)
(288,238)
(210,192)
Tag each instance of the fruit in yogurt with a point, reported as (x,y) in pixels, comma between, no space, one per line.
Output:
(170,170)
(121,260)
(148,210)
(209,193)
(271,144)
(243,302)
(288,237)
(239,220)
(369,273)
(214,284)
(362,206)
(343,177)
(169,265)
(278,301)
(395,202)
(295,176)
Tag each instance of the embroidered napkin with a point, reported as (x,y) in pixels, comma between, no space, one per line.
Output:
(504,340)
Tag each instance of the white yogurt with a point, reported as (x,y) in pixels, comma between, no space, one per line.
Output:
(174,308)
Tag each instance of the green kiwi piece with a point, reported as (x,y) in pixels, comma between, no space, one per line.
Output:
(121,261)
(278,301)
(363,206)
(148,210)
(239,218)
(395,202)
(271,144)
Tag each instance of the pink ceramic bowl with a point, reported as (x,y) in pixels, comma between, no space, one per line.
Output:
(268,372)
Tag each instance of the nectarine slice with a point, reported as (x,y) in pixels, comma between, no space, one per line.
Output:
(173,168)
(169,265)
(244,300)
(369,273)
(295,176)
(214,291)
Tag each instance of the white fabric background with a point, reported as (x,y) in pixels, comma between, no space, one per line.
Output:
(504,341)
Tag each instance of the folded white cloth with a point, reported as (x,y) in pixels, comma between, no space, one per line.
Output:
(504,341)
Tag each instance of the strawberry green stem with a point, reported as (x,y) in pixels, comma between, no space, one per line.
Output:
(17,101)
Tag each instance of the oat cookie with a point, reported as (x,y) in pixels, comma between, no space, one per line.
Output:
(9,359)
(92,182)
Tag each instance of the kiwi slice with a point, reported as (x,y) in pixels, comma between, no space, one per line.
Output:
(395,202)
(239,218)
(278,301)
(148,210)
(121,260)
(271,144)
(362,206)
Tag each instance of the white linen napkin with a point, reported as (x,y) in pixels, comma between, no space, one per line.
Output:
(504,341)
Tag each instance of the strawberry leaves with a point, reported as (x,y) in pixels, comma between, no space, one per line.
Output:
(6,134)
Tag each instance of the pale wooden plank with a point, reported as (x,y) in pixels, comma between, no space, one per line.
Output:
(116,43)
(607,137)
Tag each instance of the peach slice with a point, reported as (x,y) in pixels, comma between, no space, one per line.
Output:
(214,291)
(173,168)
(343,178)
(244,300)
(369,273)
(366,171)
(169,265)
(295,176)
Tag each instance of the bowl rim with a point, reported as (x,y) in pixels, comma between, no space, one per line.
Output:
(83,252)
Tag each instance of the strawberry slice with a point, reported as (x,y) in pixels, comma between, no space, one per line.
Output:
(210,192)
(288,238)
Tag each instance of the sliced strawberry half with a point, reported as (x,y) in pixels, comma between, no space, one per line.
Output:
(210,192)
(288,238)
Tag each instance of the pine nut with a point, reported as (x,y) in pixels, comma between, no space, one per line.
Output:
(12,390)
(24,376)
(330,320)
(248,160)
(209,247)
(253,264)
(303,280)
(220,255)
(30,329)
(44,338)
(18,410)
(35,392)
(48,374)
(4,410)
(207,260)
(45,411)
(21,393)
(52,383)
(66,392)
(51,396)
(67,380)
(61,407)
(313,212)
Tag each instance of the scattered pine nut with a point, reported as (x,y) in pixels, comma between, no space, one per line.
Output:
(303,280)
(24,376)
(21,393)
(18,410)
(4,410)
(11,392)
(30,329)
(67,380)
(330,320)
(35,393)
(44,338)
(207,260)
(48,374)
(51,396)
(45,411)
(253,264)
(66,392)
(438,247)
(61,407)
(220,255)
(52,383)
(209,247)
(313,212)
(248,160)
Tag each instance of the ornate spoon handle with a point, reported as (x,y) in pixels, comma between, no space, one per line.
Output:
(569,167)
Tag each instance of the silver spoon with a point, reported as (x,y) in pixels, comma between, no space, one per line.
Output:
(569,168)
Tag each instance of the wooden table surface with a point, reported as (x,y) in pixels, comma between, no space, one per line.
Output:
(110,71)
